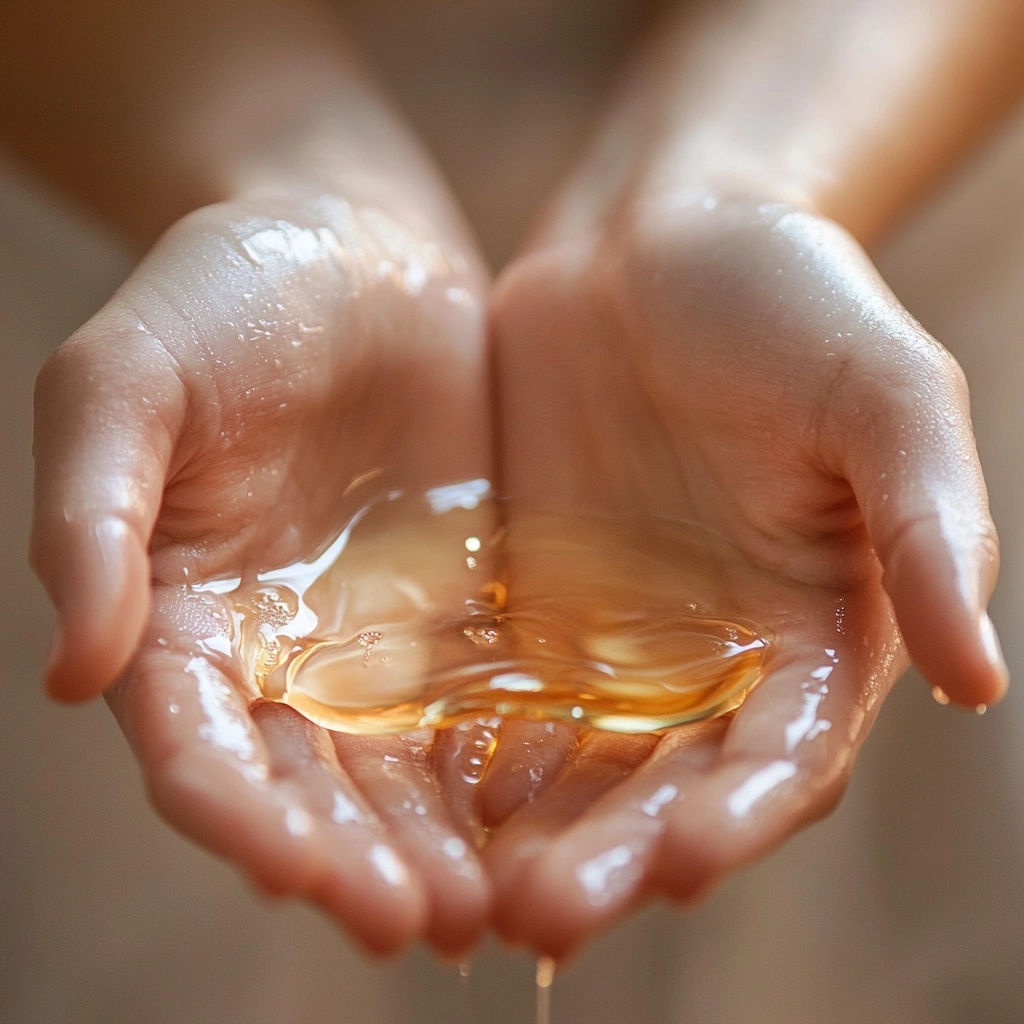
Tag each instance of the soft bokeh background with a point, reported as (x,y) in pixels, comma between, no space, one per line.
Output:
(906,906)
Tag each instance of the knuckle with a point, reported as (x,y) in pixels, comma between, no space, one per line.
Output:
(925,366)
(68,365)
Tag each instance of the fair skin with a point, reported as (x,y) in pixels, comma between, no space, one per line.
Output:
(754,374)
(711,226)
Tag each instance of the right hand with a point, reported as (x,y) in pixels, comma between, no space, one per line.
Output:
(205,423)
(740,365)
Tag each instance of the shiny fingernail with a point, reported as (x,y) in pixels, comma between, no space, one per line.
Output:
(994,652)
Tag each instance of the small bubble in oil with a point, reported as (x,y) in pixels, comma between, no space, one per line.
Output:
(369,639)
(480,635)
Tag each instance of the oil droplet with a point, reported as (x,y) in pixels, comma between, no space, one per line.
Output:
(939,696)
(980,709)
(543,978)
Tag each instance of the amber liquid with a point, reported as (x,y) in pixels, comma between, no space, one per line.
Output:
(429,609)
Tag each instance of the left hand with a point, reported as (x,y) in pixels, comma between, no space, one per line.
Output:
(207,424)
(739,364)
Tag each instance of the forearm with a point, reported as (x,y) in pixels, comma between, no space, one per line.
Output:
(146,111)
(851,109)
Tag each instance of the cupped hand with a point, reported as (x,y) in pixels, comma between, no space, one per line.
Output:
(206,423)
(741,365)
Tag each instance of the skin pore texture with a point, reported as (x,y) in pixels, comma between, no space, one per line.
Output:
(690,329)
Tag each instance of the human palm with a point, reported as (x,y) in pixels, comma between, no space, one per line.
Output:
(749,374)
(744,368)
(261,359)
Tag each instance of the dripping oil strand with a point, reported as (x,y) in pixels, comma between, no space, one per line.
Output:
(465,1008)
(544,976)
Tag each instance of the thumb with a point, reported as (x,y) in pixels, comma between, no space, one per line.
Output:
(908,451)
(108,409)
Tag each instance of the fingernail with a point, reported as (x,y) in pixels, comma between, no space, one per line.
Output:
(994,652)
(55,655)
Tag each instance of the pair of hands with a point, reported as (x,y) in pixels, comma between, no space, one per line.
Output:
(734,362)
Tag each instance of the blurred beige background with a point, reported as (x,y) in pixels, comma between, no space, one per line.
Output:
(906,906)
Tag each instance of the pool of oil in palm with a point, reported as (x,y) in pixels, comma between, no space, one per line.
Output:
(428,608)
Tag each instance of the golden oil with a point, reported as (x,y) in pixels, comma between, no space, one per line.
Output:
(432,608)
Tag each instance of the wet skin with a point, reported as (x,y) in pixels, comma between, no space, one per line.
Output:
(720,354)
(357,345)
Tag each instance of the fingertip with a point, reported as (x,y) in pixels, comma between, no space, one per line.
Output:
(384,919)
(939,575)
(101,589)
(986,679)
